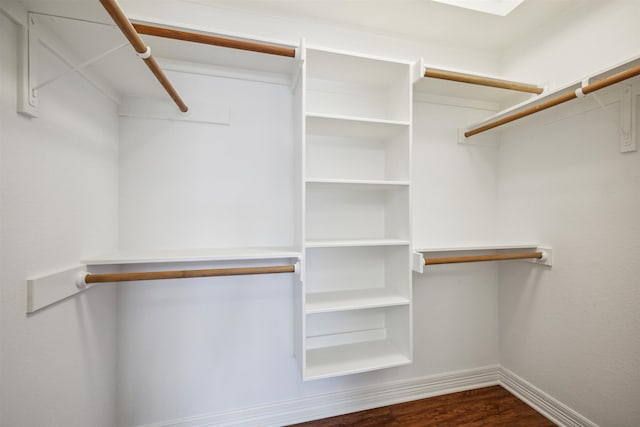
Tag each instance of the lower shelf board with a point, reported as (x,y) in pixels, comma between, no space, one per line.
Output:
(323,302)
(353,358)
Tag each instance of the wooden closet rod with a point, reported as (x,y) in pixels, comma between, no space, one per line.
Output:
(482,81)
(568,96)
(118,16)
(478,258)
(169,33)
(186,274)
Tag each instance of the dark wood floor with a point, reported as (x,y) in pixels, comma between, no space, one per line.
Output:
(489,406)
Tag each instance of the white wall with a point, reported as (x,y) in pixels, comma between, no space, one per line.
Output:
(58,189)
(576,44)
(573,330)
(217,343)
(454,201)
(210,346)
(201,185)
(213,345)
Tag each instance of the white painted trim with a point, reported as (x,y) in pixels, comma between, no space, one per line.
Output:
(542,402)
(363,398)
(342,402)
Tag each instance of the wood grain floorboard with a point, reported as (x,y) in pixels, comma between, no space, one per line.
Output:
(489,406)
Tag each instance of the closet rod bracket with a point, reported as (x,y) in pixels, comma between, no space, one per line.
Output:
(546,259)
(144,55)
(417,262)
(81,279)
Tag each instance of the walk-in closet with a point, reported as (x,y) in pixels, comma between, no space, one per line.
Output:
(263,213)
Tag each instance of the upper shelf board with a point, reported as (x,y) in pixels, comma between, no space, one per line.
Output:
(194,255)
(546,96)
(455,89)
(99,38)
(218,56)
(474,246)
(353,127)
(346,67)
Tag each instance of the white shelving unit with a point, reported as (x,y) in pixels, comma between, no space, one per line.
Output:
(355,301)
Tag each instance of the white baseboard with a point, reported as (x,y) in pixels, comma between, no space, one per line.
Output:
(362,398)
(343,402)
(551,408)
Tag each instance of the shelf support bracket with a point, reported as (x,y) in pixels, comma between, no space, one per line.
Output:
(77,68)
(39,36)
(18,15)
(417,262)
(46,290)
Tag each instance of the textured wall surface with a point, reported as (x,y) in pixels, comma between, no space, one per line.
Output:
(574,330)
(58,189)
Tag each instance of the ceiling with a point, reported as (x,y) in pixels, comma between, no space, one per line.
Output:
(423,20)
(416,19)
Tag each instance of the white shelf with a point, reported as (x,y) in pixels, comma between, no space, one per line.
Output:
(444,88)
(353,68)
(440,87)
(357,213)
(217,56)
(358,149)
(474,246)
(356,242)
(171,54)
(355,86)
(353,358)
(352,300)
(355,183)
(353,127)
(193,255)
(547,95)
